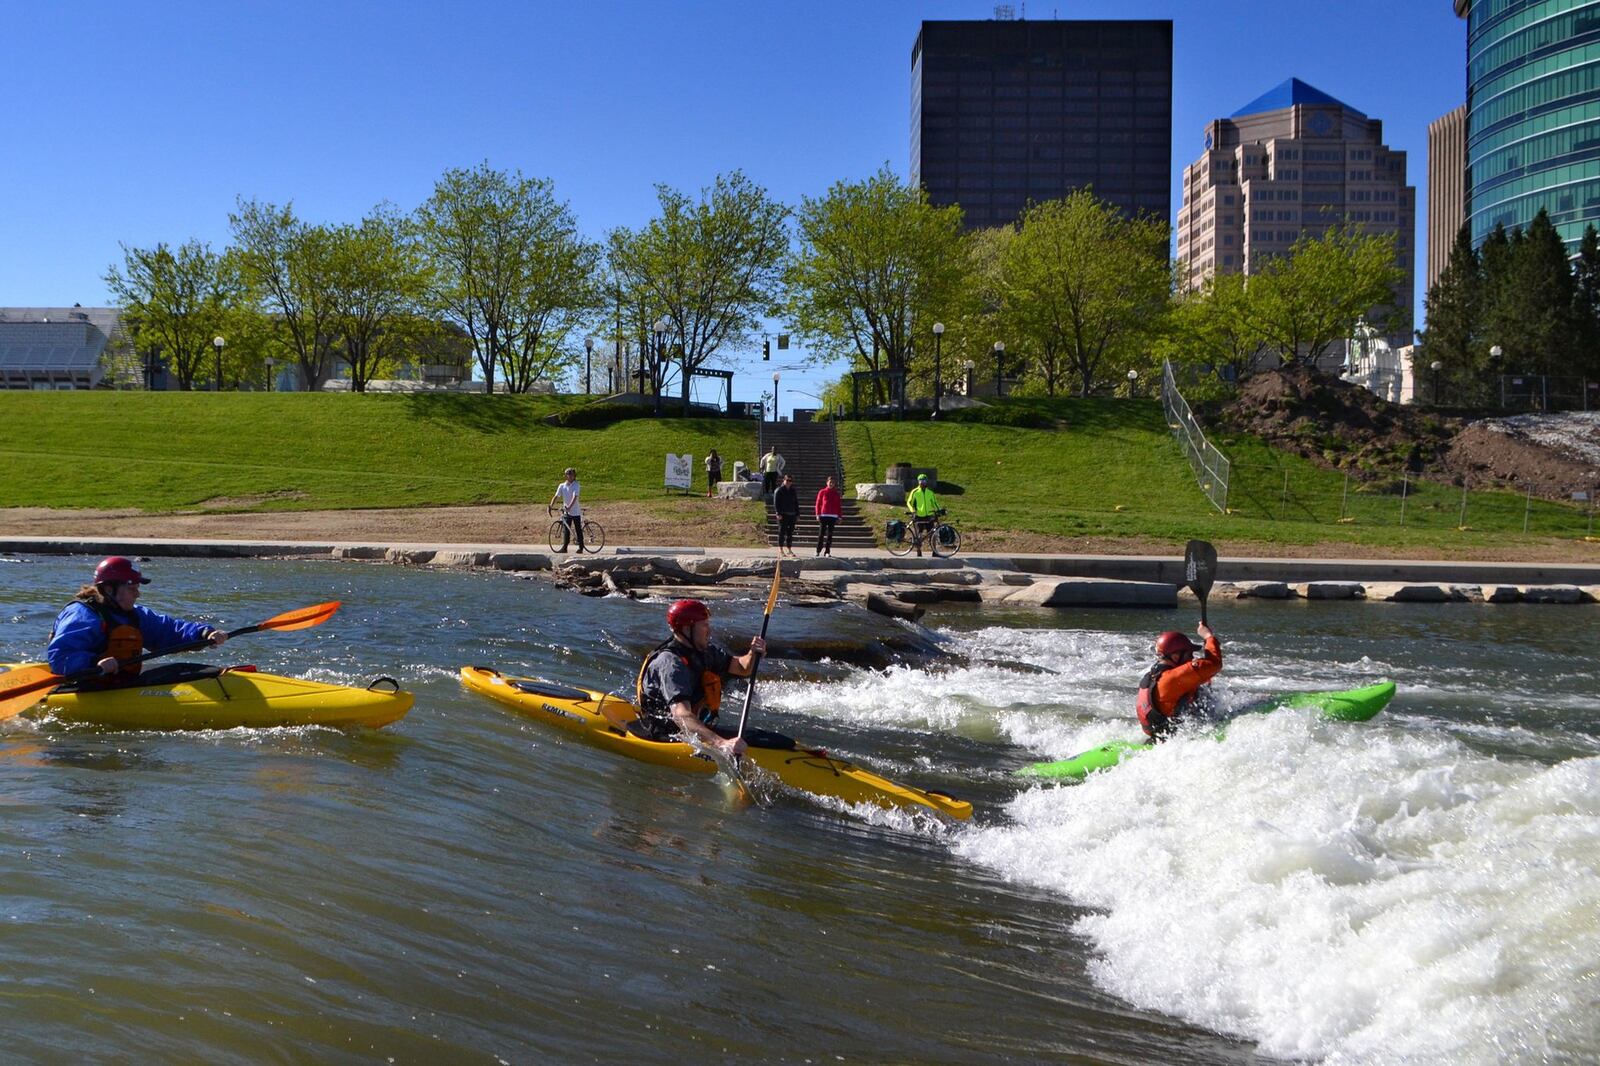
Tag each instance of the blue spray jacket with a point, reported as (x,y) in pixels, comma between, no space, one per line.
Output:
(79,638)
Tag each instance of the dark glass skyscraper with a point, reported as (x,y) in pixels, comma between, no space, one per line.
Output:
(1533,113)
(1004,112)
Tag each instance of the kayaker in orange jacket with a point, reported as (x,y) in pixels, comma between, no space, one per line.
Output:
(1177,687)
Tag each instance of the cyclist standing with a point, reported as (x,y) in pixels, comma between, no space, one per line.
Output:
(924,508)
(571,509)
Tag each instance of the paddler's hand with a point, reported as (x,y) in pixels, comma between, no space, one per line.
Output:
(218,638)
(733,747)
(1205,631)
(758,645)
(108,665)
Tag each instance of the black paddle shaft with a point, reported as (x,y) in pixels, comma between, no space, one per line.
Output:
(1200,571)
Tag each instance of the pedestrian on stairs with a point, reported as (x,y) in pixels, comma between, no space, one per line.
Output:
(786,502)
(830,508)
(772,465)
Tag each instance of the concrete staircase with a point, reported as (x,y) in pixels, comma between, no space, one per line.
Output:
(811,453)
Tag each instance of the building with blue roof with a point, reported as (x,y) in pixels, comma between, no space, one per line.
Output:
(1294,161)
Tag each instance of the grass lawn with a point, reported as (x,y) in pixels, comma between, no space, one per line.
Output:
(1108,470)
(167,451)
(1113,470)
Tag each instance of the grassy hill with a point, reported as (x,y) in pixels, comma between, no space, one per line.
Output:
(269,451)
(1108,469)
(1112,469)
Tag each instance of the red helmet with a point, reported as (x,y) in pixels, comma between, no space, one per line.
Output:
(1173,643)
(118,569)
(685,613)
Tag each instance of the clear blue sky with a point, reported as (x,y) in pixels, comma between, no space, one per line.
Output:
(141,123)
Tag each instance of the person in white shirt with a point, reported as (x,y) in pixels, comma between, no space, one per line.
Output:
(571,509)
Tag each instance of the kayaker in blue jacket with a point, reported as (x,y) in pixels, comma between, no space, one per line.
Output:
(104,624)
(680,683)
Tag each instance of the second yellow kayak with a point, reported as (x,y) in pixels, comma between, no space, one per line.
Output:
(601,719)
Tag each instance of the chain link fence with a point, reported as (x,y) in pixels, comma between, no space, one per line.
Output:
(1212,471)
(1300,493)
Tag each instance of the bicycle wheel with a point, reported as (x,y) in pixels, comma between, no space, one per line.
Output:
(557,529)
(902,546)
(594,536)
(940,547)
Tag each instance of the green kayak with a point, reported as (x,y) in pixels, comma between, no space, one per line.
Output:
(1352,705)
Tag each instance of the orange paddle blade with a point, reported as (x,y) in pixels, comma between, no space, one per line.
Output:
(303,618)
(21,689)
(772,597)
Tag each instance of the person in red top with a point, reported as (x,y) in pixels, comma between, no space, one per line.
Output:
(830,506)
(1177,687)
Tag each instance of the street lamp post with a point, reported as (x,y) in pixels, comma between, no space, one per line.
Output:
(588,365)
(219,343)
(1495,352)
(967,367)
(999,365)
(938,382)
(1436,366)
(774,397)
(661,355)
(270,363)
(1133,381)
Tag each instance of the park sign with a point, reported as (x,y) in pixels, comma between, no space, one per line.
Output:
(680,469)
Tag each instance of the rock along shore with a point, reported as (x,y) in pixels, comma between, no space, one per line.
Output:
(903,586)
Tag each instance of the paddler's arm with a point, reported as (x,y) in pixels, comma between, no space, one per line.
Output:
(691,726)
(1211,664)
(744,665)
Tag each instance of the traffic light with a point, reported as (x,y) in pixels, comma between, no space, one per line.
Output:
(766,349)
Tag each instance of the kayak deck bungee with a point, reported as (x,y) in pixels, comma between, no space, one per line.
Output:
(1351,705)
(601,719)
(230,698)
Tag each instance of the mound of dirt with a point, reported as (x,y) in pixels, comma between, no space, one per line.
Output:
(1556,455)
(1347,427)
(1336,424)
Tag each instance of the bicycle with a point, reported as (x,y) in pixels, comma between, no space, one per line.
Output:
(943,539)
(594,534)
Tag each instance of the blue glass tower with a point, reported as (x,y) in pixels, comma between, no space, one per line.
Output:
(1533,113)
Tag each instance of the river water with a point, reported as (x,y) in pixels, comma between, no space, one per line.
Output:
(467,886)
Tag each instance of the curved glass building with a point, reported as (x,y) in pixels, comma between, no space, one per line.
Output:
(1533,113)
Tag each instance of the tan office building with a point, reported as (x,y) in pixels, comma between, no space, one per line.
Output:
(1293,161)
(1447,188)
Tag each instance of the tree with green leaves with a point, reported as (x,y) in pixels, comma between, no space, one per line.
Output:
(876,266)
(1304,303)
(290,262)
(376,282)
(711,264)
(1212,327)
(1531,318)
(560,290)
(1454,307)
(176,300)
(1084,279)
(477,232)
(1586,303)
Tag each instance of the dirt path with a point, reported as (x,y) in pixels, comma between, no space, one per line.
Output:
(676,522)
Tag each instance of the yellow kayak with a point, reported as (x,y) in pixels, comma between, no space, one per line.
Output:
(601,719)
(213,698)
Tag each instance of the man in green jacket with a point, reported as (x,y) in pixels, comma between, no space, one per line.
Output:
(924,508)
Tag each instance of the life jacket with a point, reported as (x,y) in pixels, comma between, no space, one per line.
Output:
(124,640)
(1160,724)
(706,699)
